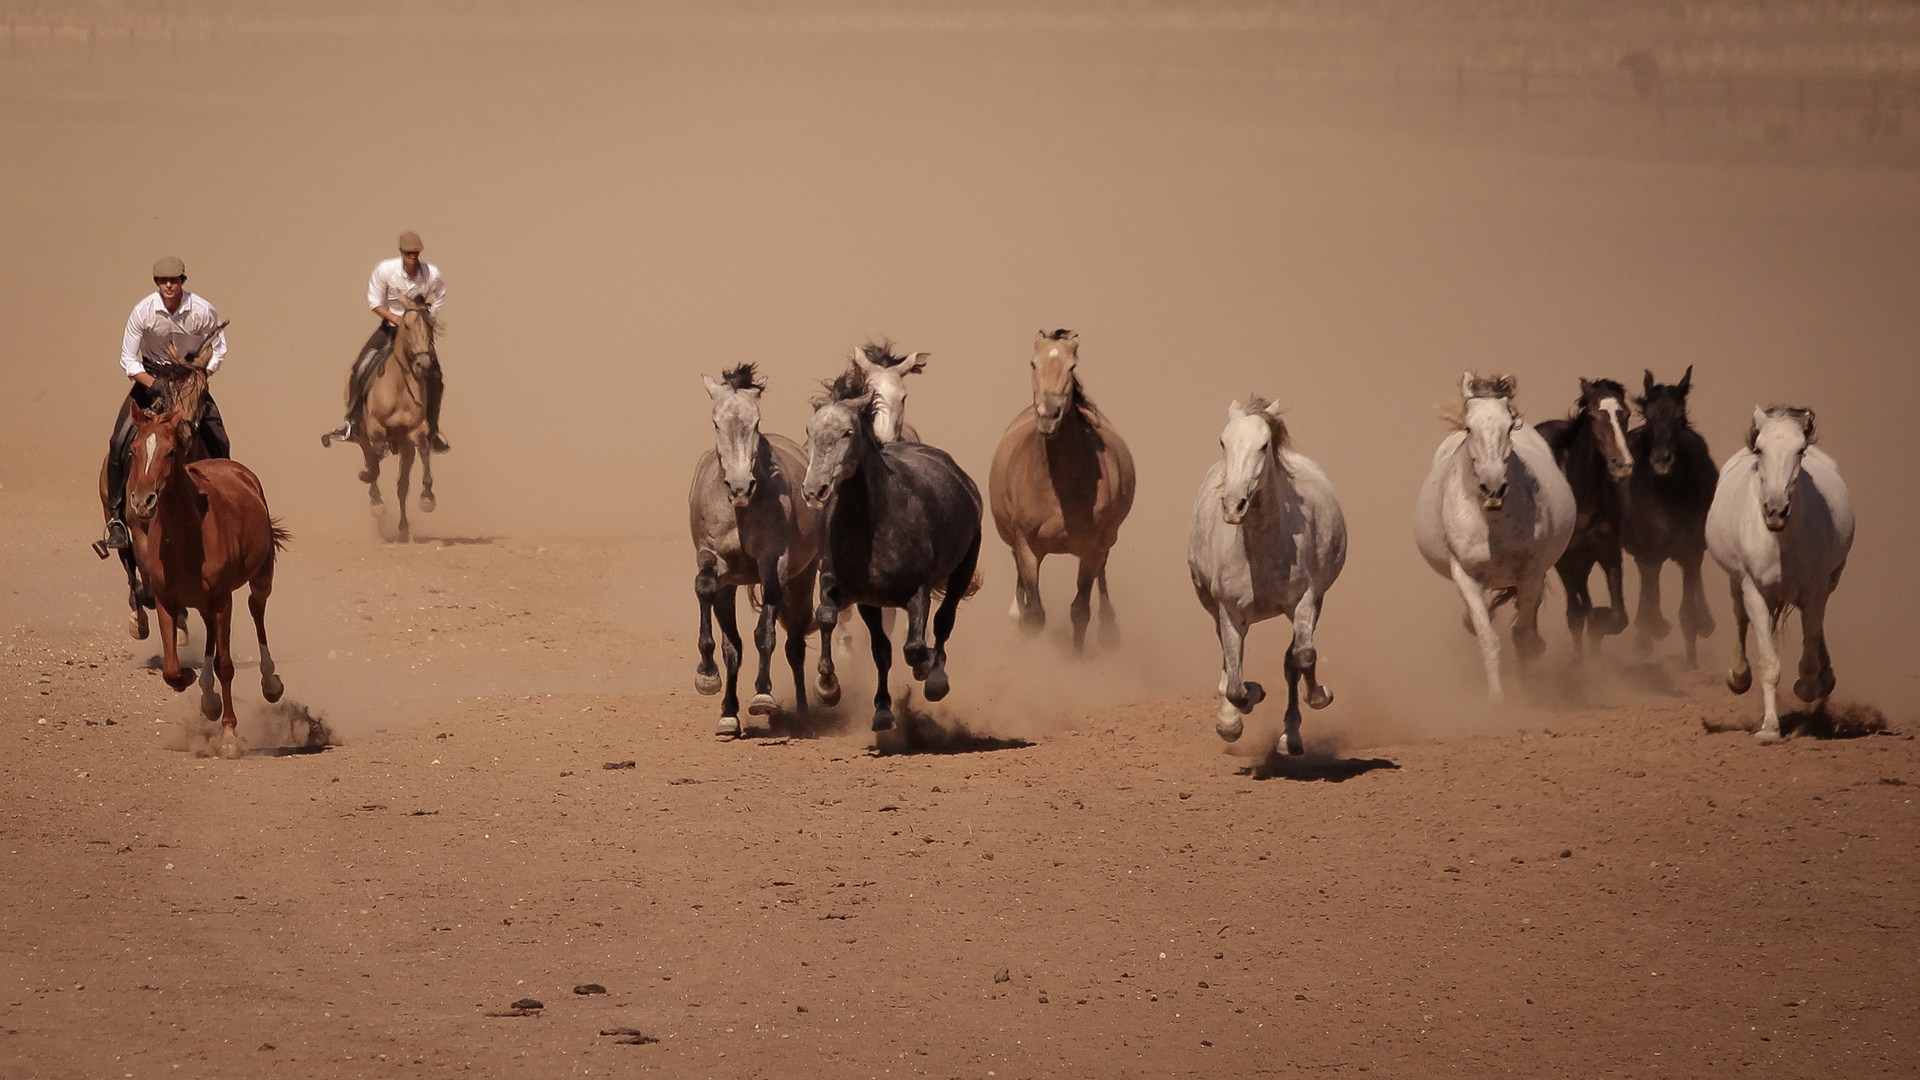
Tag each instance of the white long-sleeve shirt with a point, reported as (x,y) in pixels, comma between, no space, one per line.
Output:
(390,283)
(151,328)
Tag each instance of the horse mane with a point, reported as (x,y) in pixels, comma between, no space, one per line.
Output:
(1783,412)
(1454,414)
(880,354)
(1605,388)
(1057,335)
(850,384)
(743,377)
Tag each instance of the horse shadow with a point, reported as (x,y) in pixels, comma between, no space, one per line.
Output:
(1850,720)
(1324,764)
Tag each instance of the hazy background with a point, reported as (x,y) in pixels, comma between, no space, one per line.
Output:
(1338,206)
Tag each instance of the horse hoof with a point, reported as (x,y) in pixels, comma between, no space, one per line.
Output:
(1294,746)
(1319,697)
(210,706)
(729,725)
(232,748)
(1767,736)
(1228,723)
(707,683)
(138,625)
(936,687)
(1808,692)
(271,688)
(1109,635)
(763,705)
(427,503)
(883,719)
(1739,681)
(181,681)
(827,689)
(1252,693)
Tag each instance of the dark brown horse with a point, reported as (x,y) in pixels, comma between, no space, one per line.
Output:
(1673,483)
(1590,447)
(1061,484)
(200,530)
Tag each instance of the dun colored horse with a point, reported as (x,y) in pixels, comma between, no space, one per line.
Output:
(901,521)
(1267,539)
(1494,513)
(1781,525)
(1061,484)
(394,419)
(1672,487)
(1591,449)
(751,528)
(200,530)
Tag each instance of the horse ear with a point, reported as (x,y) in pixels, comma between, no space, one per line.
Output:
(1585,388)
(712,385)
(1686,381)
(1810,435)
(818,402)
(1273,409)
(1235,409)
(1466,385)
(916,363)
(1518,421)
(1647,383)
(1753,433)
(1508,386)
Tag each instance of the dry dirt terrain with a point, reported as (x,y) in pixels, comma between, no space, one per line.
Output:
(514,794)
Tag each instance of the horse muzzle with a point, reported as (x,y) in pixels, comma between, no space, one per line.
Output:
(1776,519)
(816,501)
(1662,464)
(1621,473)
(1492,502)
(143,506)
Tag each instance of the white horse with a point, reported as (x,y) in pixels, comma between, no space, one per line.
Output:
(1781,524)
(1268,539)
(1494,515)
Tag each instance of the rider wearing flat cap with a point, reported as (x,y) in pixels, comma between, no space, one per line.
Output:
(395,280)
(169,316)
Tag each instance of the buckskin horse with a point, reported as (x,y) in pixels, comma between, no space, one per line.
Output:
(394,418)
(200,530)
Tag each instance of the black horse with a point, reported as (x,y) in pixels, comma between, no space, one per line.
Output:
(901,521)
(1591,448)
(1672,487)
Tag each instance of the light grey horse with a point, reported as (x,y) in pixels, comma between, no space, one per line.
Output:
(750,527)
(1493,517)
(886,373)
(1781,525)
(1268,539)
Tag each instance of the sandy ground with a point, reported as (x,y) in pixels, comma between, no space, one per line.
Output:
(1060,870)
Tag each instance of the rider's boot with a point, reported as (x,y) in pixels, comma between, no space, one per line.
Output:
(435,388)
(118,447)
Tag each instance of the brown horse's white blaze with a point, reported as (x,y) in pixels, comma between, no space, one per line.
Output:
(201,530)
(1062,483)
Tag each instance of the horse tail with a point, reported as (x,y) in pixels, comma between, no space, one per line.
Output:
(281,537)
(974,586)
(753,597)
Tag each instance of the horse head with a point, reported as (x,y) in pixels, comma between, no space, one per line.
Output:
(838,435)
(417,328)
(160,442)
(1603,408)
(1779,437)
(886,372)
(1250,451)
(1055,386)
(1665,411)
(736,428)
(1489,418)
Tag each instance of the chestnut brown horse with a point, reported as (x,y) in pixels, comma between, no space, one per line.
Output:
(394,419)
(1061,484)
(139,596)
(200,530)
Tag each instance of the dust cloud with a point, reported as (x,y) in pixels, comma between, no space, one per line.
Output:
(1339,207)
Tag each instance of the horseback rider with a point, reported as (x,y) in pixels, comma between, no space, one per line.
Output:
(396,280)
(170,316)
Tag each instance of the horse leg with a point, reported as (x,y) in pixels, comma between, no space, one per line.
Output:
(1649,625)
(1816,668)
(825,683)
(1109,625)
(258,590)
(957,584)
(1739,676)
(1476,600)
(723,613)
(427,501)
(1696,619)
(796,618)
(170,669)
(706,585)
(402,480)
(209,698)
(914,647)
(772,575)
(1614,620)
(1091,567)
(1027,608)
(1527,642)
(1306,622)
(882,660)
(230,745)
(1237,695)
(1579,604)
(137,622)
(1763,640)
(370,476)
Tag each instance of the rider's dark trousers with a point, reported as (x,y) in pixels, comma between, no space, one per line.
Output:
(213,439)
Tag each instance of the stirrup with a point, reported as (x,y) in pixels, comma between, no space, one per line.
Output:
(344,433)
(116,538)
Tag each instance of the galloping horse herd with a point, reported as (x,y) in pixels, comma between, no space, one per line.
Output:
(882,520)
(869,517)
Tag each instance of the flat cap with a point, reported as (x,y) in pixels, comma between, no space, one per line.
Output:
(171,266)
(410,242)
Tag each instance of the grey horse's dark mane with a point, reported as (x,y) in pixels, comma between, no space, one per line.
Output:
(881,354)
(850,384)
(743,377)
(1490,386)
(1783,412)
